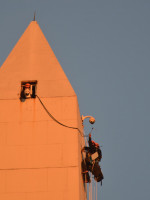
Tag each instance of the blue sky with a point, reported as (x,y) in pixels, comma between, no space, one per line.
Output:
(104,48)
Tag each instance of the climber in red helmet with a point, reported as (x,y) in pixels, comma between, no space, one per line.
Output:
(91,162)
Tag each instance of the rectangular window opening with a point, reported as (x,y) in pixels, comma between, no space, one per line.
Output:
(28,89)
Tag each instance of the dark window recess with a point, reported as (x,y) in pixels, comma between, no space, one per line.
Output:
(28,89)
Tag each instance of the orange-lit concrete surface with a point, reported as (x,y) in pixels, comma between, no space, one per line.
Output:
(39,159)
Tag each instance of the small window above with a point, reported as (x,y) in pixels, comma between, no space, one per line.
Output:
(28,90)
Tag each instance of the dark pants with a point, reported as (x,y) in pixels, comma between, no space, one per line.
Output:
(94,168)
(96,171)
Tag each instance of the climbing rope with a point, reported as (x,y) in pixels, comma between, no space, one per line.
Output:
(71,127)
(96,190)
(90,188)
(91,185)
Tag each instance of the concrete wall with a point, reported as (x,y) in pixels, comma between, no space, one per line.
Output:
(40,160)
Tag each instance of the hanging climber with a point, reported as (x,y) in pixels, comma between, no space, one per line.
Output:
(91,161)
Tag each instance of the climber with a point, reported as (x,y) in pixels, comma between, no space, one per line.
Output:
(91,161)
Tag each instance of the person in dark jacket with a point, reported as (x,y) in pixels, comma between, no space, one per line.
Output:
(91,161)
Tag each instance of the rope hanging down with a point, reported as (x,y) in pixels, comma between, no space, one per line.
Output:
(57,120)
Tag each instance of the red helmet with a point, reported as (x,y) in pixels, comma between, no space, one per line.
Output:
(27,85)
(96,144)
(93,142)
